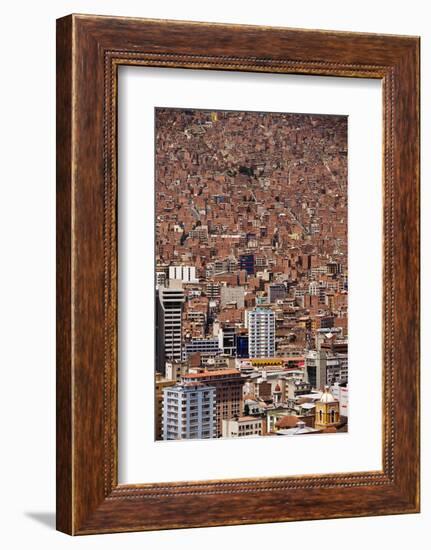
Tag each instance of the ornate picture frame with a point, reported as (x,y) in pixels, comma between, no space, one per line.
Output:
(89,51)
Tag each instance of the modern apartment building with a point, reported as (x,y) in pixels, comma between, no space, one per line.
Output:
(160,278)
(228,384)
(213,290)
(161,384)
(261,332)
(169,305)
(207,347)
(277,291)
(337,368)
(186,274)
(189,411)
(227,340)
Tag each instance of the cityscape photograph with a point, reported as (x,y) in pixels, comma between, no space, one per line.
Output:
(251,274)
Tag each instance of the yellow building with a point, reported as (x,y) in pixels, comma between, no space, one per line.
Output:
(266,362)
(161,383)
(327,411)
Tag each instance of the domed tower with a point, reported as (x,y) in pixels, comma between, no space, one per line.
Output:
(327,411)
(276,395)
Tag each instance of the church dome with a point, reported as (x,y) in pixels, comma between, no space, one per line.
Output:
(327,396)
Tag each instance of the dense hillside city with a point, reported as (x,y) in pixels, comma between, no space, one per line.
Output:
(251,274)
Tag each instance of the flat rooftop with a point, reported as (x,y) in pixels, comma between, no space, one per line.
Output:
(210,373)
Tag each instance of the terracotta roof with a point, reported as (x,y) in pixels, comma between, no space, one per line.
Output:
(288,421)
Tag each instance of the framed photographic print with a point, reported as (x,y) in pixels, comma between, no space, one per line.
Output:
(237,274)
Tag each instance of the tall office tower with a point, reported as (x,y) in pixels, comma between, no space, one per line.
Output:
(189,411)
(169,305)
(246,261)
(316,368)
(261,332)
(228,384)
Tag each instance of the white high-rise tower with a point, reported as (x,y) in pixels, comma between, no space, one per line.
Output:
(261,332)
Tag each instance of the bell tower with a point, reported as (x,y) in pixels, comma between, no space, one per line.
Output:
(327,411)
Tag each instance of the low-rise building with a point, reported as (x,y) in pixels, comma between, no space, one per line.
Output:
(300,429)
(244,426)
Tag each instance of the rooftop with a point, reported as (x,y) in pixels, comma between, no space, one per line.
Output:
(249,419)
(213,373)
